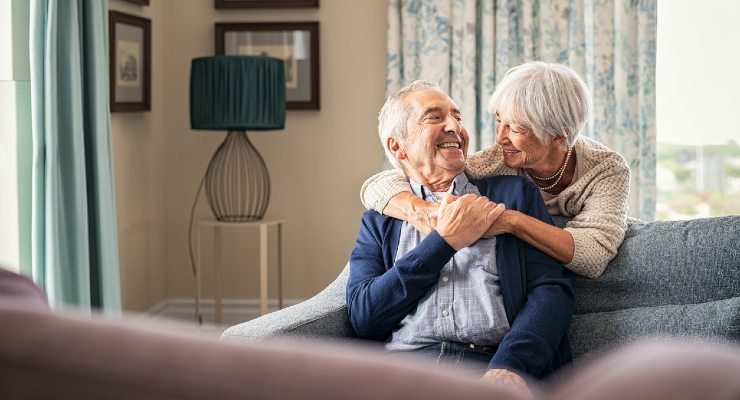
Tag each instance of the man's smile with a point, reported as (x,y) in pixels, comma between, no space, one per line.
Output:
(447,145)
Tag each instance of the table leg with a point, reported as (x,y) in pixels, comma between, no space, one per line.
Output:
(280,264)
(263,269)
(198,272)
(218,319)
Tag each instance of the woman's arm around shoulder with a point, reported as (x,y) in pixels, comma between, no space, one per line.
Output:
(378,189)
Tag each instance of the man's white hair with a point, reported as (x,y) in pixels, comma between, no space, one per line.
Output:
(550,100)
(393,117)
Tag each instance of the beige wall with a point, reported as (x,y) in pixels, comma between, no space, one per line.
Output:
(317,163)
(139,154)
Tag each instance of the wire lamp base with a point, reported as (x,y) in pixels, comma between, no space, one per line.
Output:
(237,182)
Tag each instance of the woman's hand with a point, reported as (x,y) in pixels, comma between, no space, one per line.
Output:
(423,215)
(419,213)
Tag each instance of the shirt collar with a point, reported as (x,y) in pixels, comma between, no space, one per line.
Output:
(457,188)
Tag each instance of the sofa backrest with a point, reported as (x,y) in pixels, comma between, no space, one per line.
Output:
(668,263)
(673,278)
(669,278)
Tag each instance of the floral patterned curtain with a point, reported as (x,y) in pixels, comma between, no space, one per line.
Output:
(467,46)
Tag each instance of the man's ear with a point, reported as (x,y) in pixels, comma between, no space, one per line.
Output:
(396,147)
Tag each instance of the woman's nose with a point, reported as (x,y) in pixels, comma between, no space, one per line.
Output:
(502,133)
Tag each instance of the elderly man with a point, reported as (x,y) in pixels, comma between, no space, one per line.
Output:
(494,305)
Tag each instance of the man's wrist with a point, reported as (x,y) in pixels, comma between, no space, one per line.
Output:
(449,239)
(437,242)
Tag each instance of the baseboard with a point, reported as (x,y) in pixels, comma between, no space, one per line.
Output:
(234,311)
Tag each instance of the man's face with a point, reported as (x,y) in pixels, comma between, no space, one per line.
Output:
(437,143)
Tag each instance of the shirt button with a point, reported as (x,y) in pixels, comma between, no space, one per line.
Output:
(445,279)
(445,313)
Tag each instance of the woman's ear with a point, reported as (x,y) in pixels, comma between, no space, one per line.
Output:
(561,140)
(396,147)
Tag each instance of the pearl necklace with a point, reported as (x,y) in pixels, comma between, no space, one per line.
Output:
(558,175)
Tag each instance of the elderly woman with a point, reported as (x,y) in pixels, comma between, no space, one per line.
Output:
(540,109)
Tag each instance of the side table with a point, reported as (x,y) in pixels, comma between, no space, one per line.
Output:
(217,227)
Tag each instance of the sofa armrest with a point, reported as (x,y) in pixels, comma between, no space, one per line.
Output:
(323,315)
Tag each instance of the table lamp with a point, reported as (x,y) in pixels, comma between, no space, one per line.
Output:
(237,93)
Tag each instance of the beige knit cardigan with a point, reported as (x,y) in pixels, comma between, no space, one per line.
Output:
(597,200)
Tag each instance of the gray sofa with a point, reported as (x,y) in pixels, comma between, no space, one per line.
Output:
(670,278)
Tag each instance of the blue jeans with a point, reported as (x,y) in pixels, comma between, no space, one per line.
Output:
(451,354)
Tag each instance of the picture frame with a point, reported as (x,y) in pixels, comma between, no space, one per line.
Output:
(296,43)
(130,43)
(140,2)
(267,3)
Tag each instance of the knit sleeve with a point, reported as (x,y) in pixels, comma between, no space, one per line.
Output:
(485,163)
(378,190)
(598,229)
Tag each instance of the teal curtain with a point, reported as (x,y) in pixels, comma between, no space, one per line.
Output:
(73,233)
(467,45)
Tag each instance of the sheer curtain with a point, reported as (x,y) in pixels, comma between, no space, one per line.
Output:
(467,46)
(74,238)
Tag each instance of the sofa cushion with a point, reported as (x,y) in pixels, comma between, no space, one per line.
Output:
(324,315)
(597,332)
(667,262)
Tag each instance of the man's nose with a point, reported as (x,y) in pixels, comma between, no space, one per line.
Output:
(452,124)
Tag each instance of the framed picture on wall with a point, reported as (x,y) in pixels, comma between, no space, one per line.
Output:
(130,42)
(296,43)
(142,2)
(266,3)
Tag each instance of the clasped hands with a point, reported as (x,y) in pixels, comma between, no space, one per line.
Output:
(460,221)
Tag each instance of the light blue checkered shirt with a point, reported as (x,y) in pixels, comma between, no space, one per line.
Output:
(466,304)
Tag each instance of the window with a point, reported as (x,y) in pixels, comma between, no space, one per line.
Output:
(15,137)
(698,101)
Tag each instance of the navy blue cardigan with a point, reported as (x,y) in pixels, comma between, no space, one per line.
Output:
(537,292)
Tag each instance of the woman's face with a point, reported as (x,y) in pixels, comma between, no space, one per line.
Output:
(521,147)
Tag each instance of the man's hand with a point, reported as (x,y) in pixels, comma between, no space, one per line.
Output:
(509,378)
(461,221)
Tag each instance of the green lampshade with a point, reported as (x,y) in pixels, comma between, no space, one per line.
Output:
(237,93)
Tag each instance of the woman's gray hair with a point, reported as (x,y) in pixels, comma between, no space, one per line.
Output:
(549,99)
(393,117)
